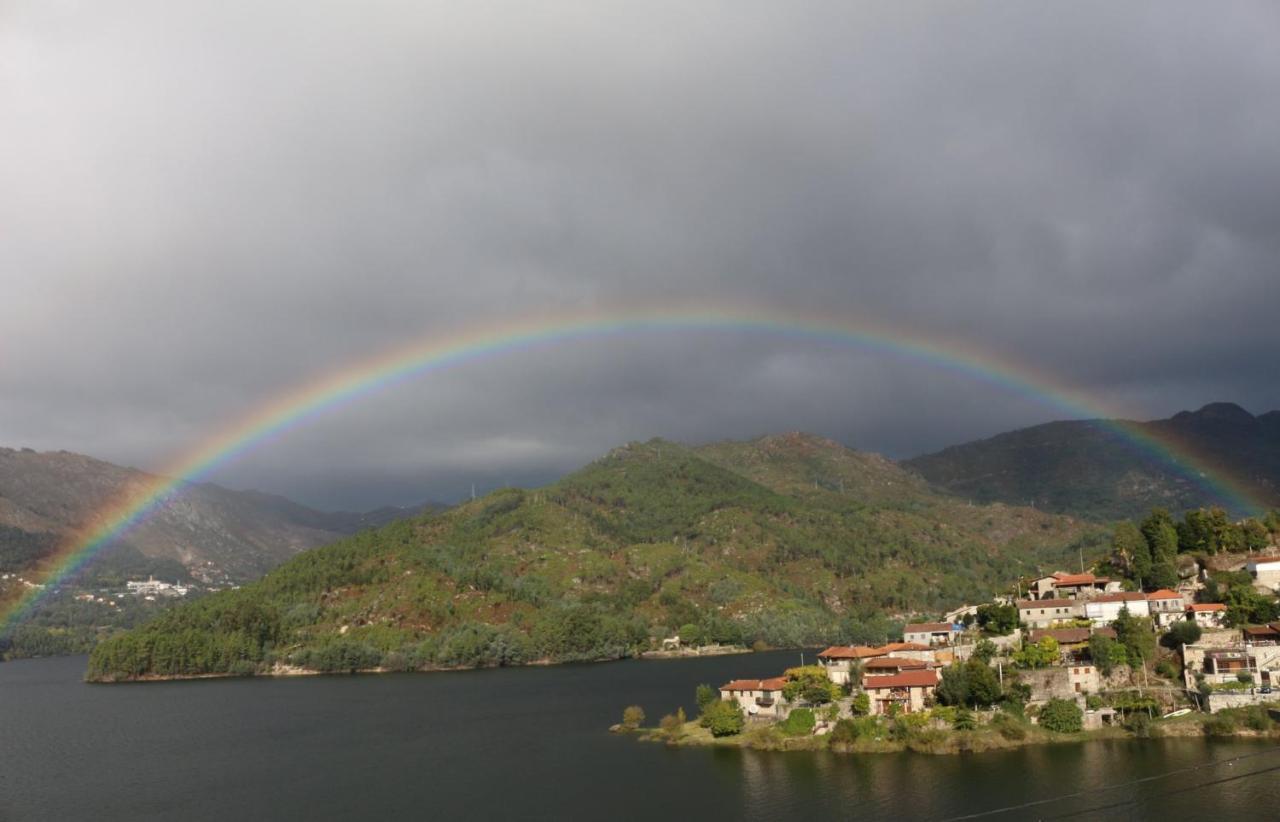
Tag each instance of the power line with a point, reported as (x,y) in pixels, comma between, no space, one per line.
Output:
(1130,783)
(1174,792)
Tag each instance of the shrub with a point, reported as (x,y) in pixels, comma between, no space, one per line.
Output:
(722,718)
(1061,716)
(1181,633)
(964,720)
(1139,723)
(861,704)
(846,732)
(671,724)
(1167,669)
(799,722)
(1245,677)
(1093,702)
(1220,725)
(632,717)
(705,695)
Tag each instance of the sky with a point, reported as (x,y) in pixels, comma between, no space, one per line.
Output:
(205,204)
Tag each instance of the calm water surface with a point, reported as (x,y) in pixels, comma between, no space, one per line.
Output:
(529,743)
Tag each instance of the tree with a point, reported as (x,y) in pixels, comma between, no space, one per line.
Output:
(969,683)
(704,695)
(1106,653)
(998,619)
(723,718)
(1162,540)
(1037,655)
(632,717)
(985,651)
(861,704)
(809,683)
(1254,535)
(1183,632)
(1130,548)
(1135,634)
(1061,716)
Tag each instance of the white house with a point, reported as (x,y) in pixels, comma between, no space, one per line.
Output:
(1207,614)
(1103,610)
(1265,570)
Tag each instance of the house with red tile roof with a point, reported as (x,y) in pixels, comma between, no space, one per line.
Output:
(1207,614)
(1061,585)
(758,697)
(909,691)
(1166,607)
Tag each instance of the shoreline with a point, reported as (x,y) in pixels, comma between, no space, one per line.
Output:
(938,742)
(279,670)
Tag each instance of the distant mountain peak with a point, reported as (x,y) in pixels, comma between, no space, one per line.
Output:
(1227,412)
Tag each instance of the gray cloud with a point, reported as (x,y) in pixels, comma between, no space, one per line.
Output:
(203,204)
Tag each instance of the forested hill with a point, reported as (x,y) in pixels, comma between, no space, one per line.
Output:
(1089,470)
(789,540)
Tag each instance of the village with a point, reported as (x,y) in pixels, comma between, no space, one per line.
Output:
(1066,653)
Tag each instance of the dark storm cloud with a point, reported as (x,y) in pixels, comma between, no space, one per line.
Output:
(204,204)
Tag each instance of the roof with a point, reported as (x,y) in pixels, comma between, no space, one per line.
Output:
(1262,558)
(1077,579)
(904,646)
(866,651)
(1119,596)
(1206,606)
(894,662)
(771,684)
(1260,630)
(1164,593)
(851,652)
(1046,603)
(906,679)
(926,627)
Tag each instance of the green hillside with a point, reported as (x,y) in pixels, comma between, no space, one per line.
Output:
(786,540)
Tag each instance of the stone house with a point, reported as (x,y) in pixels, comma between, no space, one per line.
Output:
(1166,607)
(758,697)
(909,691)
(1265,570)
(1045,613)
(931,634)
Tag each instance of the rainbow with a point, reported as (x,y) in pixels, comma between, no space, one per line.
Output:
(308,401)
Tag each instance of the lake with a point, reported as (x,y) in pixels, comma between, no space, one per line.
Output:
(531,743)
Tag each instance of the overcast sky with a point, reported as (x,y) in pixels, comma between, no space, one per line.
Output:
(205,203)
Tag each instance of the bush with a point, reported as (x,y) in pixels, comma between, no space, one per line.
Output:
(861,704)
(1181,633)
(705,695)
(1061,716)
(799,722)
(632,717)
(1220,725)
(1093,702)
(1167,669)
(964,720)
(1245,677)
(723,718)
(671,724)
(1139,724)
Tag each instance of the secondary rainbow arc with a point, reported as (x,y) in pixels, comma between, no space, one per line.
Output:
(296,407)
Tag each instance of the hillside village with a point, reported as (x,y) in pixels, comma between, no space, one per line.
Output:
(1065,651)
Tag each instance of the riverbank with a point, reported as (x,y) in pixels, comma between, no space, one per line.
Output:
(887,737)
(701,650)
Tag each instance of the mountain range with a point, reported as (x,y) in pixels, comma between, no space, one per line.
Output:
(1096,469)
(207,532)
(789,539)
